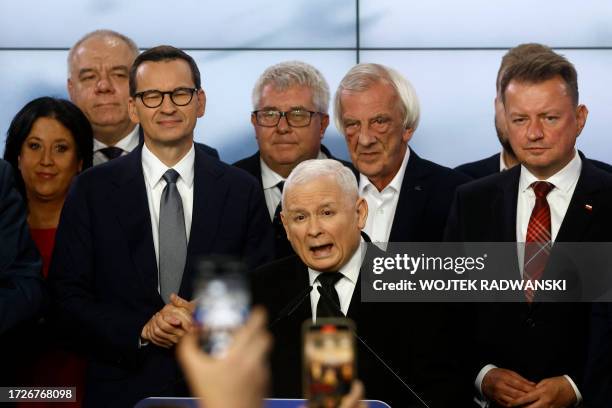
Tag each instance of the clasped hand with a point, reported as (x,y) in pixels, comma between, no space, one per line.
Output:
(170,324)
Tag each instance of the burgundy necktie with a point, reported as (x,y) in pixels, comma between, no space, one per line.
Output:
(539,240)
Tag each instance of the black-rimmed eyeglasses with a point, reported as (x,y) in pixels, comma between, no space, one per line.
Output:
(178,96)
(295,117)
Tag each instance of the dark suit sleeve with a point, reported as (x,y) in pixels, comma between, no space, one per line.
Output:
(109,326)
(259,246)
(21,286)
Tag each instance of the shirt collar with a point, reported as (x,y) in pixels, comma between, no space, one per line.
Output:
(350,270)
(502,163)
(154,169)
(564,180)
(270,178)
(127,143)
(395,184)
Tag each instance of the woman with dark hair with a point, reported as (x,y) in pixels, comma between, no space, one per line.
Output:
(48,143)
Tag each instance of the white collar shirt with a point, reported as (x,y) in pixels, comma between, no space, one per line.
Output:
(153,170)
(127,144)
(382,204)
(345,286)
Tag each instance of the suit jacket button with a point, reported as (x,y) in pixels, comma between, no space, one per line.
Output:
(530,322)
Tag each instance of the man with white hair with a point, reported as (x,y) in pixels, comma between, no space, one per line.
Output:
(290,104)
(409,198)
(323,216)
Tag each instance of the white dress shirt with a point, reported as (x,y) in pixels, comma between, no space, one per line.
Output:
(345,286)
(269,180)
(127,144)
(153,170)
(382,204)
(565,181)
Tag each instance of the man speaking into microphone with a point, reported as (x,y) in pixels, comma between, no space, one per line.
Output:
(399,360)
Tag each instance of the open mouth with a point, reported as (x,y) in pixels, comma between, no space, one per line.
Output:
(321,250)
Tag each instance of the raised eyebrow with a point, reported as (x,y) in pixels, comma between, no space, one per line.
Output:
(299,107)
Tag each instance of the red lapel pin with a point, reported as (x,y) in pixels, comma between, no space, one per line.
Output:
(588,207)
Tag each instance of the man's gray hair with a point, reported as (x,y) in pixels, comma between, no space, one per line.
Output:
(101,34)
(310,170)
(363,76)
(294,73)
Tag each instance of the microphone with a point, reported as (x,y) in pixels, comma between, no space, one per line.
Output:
(292,306)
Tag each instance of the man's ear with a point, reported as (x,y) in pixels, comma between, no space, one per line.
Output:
(324,124)
(201,95)
(362,212)
(581,117)
(132,110)
(407,135)
(70,87)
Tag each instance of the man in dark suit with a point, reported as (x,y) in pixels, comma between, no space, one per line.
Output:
(290,104)
(132,230)
(323,216)
(533,354)
(507,159)
(98,66)
(377,110)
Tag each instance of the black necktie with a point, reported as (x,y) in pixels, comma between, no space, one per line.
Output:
(111,152)
(329,302)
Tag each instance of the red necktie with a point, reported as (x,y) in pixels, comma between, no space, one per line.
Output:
(539,240)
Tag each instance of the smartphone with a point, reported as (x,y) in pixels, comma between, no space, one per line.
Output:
(222,302)
(329,366)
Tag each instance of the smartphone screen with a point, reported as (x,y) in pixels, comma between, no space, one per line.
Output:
(329,361)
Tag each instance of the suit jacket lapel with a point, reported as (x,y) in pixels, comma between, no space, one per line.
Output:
(293,283)
(131,203)
(209,194)
(412,199)
(506,201)
(578,219)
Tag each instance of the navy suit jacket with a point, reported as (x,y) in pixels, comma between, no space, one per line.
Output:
(545,339)
(490,165)
(104,272)
(252,165)
(424,202)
